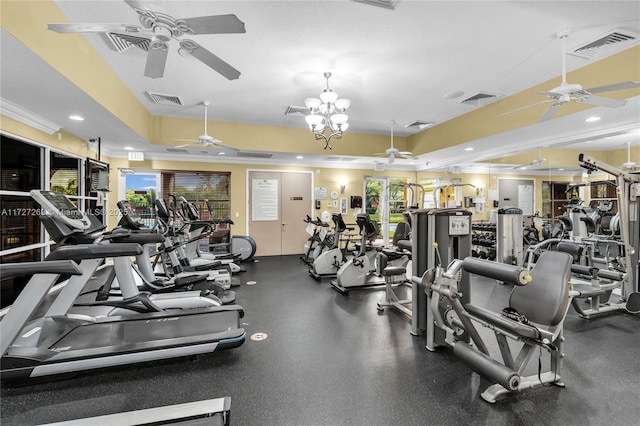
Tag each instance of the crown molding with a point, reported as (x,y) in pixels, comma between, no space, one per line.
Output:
(18,113)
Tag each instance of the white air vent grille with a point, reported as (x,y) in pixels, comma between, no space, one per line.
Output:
(296,110)
(253,154)
(177,150)
(610,42)
(378,167)
(161,98)
(387,4)
(122,42)
(480,98)
(420,124)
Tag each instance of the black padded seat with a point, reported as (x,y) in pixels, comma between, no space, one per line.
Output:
(390,271)
(574,249)
(588,290)
(206,266)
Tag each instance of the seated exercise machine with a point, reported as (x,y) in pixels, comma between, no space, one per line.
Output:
(628,194)
(327,264)
(394,275)
(533,319)
(137,328)
(591,285)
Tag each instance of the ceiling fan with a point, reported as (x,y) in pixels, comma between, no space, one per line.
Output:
(564,93)
(392,153)
(158,27)
(204,139)
(536,162)
(629,164)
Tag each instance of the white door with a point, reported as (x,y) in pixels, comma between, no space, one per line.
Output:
(278,203)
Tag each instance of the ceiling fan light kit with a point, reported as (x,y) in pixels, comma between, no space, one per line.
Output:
(159,27)
(327,114)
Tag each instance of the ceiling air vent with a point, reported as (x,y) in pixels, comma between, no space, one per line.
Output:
(253,154)
(480,98)
(161,98)
(610,42)
(122,42)
(177,150)
(387,4)
(296,110)
(420,124)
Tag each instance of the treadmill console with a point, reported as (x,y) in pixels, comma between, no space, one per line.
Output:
(60,217)
(61,209)
(130,218)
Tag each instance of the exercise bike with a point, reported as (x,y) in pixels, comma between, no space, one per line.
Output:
(326,265)
(360,271)
(316,243)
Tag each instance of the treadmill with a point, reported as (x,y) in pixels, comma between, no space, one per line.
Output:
(61,342)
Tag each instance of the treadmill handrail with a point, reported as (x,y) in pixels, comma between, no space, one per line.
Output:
(59,267)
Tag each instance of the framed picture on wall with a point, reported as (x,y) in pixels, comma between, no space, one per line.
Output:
(343,206)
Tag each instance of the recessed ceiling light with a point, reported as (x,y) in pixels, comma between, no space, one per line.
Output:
(469,148)
(76,117)
(592,119)
(560,169)
(221,153)
(128,148)
(299,157)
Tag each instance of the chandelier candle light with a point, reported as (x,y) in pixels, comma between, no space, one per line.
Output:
(327,114)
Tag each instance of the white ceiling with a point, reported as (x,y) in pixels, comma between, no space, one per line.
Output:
(393,64)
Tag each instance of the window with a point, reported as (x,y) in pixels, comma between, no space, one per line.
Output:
(555,197)
(21,172)
(204,189)
(64,174)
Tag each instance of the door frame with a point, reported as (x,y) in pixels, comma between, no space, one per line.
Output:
(248,187)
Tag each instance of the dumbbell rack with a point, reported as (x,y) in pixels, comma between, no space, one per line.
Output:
(483,240)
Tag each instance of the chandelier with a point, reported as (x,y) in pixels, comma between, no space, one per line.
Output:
(327,115)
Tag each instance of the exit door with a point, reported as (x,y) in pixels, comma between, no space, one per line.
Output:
(278,204)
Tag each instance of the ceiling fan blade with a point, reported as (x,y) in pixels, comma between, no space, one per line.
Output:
(220,145)
(612,87)
(605,102)
(525,107)
(156,61)
(214,62)
(216,24)
(136,4)
(548,114)
(553,95)
(187,144)
(93,28)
